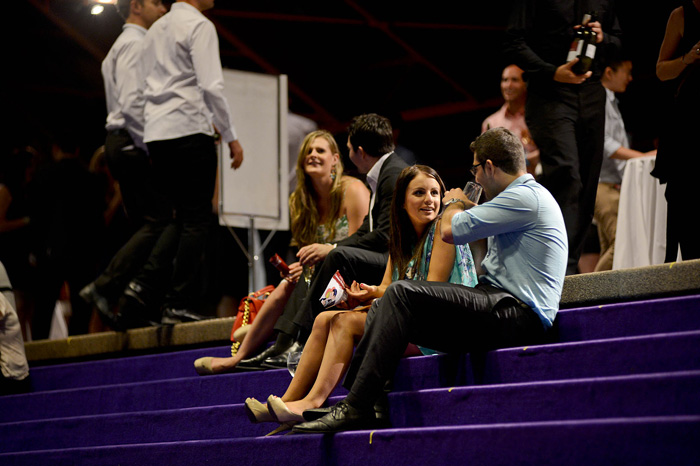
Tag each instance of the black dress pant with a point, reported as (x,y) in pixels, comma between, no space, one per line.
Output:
(353,263)
(144,205)
(442,316)
(680,222)
(567,122)
(185,172)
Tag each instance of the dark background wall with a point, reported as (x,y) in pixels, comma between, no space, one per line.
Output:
(437,65)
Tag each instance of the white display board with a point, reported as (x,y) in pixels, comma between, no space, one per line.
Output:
(259,189)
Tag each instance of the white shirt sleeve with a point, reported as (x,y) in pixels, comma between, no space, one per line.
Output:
(207,67)
(129,83)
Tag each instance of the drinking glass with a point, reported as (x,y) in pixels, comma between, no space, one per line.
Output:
(307,273)
(473,191)
(293,361)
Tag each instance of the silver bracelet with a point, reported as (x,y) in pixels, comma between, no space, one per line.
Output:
(454,200)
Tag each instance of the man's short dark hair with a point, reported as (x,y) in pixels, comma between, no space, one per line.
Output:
(373,132)
(502,148)
(614,57)
(124,7)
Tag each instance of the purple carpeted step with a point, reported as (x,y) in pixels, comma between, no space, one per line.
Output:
(621,396)
(616,356)
(147,396)
(162,366)
(630,396)
(663,315)
(638,441)
(213,422)
(620,356)
(605,321)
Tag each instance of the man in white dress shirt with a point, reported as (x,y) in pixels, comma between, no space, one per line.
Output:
(127,159)
(184,107)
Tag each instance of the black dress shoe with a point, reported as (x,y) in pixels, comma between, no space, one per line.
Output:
(91,295)
(172,316)
(316,413)
(131,315)
(138,293)
(255,363)
(110,319)
(280,361)
(341,417)
(381,412)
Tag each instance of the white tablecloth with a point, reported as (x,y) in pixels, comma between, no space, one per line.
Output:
(641,223)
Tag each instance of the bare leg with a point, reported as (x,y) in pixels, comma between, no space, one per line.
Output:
(312,356)
(261,328)
(345,330)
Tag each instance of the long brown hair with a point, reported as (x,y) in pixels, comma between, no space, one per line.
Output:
(404,244)
(303,211)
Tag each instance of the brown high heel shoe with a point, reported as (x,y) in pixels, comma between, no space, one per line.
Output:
(257,412)
(281,413)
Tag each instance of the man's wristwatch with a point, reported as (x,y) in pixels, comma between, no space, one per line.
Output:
(454,200)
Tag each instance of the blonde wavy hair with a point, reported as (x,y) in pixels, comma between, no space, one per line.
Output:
(304,214)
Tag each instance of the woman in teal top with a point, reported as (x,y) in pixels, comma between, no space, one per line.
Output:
(414,218)
(463,270)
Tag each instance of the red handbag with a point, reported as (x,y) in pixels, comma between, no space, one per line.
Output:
(247,311)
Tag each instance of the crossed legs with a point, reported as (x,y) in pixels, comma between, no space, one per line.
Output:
(325,359)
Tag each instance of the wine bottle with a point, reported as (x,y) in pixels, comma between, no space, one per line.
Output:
(583,46)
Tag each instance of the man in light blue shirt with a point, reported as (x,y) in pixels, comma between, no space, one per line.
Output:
(520,235)
(616,151)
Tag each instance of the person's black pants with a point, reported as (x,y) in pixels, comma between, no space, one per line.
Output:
(144,205)
(437,315)
(680,222)
(185,172)
(353,263)
(567,122)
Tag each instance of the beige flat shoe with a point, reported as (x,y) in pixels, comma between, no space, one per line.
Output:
(279,411)
(257,412)
(203,366)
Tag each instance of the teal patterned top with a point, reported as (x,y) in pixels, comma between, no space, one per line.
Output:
(463,270)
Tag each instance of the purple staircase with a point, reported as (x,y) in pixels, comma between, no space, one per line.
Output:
(621,385)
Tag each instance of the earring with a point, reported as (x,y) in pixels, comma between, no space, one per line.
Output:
(333,173)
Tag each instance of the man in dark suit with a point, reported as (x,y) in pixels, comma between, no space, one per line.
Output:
(362,256)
